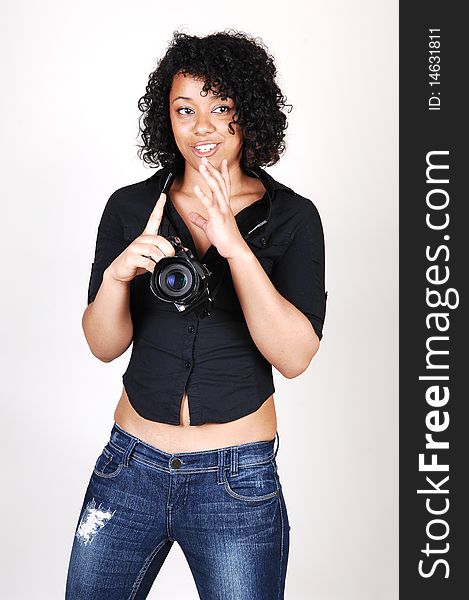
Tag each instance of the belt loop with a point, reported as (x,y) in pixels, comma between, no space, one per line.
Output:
(234,460)
(278,443)
(125,459)
(221,465)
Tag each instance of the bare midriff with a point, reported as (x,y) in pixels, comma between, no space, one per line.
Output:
(260,425)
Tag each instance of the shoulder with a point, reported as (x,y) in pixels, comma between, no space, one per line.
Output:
(292,211)
(295,204)
(133,202)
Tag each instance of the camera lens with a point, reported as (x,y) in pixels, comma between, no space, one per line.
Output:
(176,280)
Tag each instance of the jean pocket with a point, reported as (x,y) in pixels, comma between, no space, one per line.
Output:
(253,483)
(109,463)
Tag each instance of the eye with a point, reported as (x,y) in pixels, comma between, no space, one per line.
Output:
(183,108)
(224,106)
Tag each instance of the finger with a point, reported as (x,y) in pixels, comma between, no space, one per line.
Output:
(146,263)
(154,219)
(215,173)
(209,203)
(215,187)
(157,250)
(152,253)
(162,243)
(226,176)
(148,243)
(198,220)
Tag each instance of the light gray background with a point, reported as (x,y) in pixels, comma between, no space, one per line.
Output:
(71,77)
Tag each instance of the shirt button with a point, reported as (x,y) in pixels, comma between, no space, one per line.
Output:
(191,328)
(176,463)
(263,241)
(188,364)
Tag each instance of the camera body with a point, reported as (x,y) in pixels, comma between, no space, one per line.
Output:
(182,280)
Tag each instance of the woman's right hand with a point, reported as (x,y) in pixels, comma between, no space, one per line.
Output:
(132,261)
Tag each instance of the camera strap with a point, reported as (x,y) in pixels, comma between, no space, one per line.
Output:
(209,301)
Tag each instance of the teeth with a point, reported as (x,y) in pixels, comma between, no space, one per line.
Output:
(206,148)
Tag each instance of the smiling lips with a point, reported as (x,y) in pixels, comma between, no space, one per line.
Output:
(205,149)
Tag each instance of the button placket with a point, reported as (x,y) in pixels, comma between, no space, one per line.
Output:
(188,357)
(189,344)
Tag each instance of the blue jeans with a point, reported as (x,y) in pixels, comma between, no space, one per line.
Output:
(224,507)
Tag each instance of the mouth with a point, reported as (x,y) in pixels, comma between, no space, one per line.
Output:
(205,149)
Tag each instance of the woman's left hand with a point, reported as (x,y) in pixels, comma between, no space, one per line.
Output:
(220,228)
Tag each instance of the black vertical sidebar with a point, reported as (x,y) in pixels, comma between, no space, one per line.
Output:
(433,331)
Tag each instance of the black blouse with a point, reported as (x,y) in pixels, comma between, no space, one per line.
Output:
(213,357)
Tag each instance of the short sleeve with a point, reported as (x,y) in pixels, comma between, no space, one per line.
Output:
(299,274)
(109,244)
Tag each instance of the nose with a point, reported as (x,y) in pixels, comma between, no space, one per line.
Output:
(203,125)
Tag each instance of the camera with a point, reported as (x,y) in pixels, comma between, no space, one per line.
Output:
(182,280)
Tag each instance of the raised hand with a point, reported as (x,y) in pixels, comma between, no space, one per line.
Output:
(220,228)
(136,259)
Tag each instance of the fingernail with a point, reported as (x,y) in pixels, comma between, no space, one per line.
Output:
(203,167)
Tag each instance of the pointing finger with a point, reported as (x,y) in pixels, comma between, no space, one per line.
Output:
(154,219)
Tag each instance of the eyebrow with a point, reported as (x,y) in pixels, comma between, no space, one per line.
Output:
(214,99)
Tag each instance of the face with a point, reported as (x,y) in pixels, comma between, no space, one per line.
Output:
(197,120)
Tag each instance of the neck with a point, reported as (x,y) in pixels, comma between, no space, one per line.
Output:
(185,181)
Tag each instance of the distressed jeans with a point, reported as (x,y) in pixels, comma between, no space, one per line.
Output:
(224,507)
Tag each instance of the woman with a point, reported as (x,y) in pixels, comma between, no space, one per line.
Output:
(191,456)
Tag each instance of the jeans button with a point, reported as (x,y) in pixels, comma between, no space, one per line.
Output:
(176,463)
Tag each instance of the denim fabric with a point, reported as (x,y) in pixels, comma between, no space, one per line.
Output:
(224,507)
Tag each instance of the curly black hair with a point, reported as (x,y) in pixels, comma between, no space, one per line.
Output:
(232,64)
